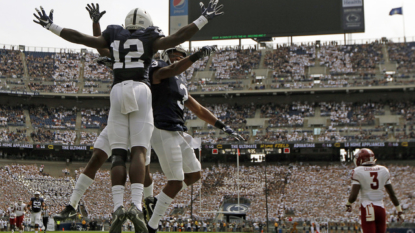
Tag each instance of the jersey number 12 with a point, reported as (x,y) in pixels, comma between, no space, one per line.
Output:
(132,54)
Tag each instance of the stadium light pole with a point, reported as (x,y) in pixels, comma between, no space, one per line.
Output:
(266,192)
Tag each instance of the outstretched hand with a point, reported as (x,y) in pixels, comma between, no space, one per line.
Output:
(43,20)
(94,12)
(106,61)
(212,10)
(232,133)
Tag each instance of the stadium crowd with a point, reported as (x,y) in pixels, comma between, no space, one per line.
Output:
(305,192)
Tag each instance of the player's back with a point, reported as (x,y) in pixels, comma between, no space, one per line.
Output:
(372,180)
(131,52)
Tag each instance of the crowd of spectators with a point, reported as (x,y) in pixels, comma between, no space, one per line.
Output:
(88,138)
(94,117)
(67,67)
(51,117)
(12,116)
(403,54)
(308,192)
(287,115)
(95,72)
(11,64)
(65,137)
(342,113)
(235,63)
(40,65)
(7,135)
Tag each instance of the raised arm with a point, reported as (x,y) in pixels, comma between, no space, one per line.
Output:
(181,66)
(95,16)
(185,33)
(207,116)
(68,34)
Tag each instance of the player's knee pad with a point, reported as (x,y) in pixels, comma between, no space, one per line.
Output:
(118,158)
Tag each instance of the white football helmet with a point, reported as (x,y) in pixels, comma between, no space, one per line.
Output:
(138,19)
(165,54)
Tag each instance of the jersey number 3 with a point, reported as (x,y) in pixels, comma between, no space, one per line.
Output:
(185,96)
(136,55)
(375,183)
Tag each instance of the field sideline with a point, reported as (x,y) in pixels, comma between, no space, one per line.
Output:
(88,231)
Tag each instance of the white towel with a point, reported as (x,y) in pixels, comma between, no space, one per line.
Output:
(129,103)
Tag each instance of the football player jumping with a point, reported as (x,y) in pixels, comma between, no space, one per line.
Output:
(169,140)
(130,121)
(369,179)
(102,149)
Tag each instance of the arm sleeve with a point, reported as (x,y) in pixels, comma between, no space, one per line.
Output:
(155,65)
(355,177)
(387,176)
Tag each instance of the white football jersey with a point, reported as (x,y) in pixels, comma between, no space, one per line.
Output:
(372,180)
(19,209)
(12,214)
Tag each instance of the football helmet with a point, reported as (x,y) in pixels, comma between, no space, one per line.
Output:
(364,156)
(165,54)
(138,19)
(20,201)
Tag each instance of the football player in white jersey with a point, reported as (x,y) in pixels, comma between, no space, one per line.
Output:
(20,209)
(12,217)
(369,179)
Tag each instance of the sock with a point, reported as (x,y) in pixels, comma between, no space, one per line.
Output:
(118,196)
(163,202)
(81,186)
(184,186)
(137,194)
(148,191)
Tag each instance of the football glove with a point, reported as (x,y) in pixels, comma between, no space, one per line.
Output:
(212,10)
(44,20)
(233,134)
(106,61)
(348,208)
(401,217)
(94,12)
(203,52)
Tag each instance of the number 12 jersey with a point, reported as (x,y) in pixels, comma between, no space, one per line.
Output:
(132,53)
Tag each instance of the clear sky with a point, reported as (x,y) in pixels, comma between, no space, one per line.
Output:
(17,27)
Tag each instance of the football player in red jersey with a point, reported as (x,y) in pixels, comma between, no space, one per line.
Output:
(20,209)
(12,217)
(369,179)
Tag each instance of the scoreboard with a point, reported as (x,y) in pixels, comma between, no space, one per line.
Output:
(270,18)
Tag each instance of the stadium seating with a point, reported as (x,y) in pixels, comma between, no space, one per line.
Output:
(304,191)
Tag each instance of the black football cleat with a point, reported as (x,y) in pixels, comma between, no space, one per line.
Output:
(149,205)
(136,216)
(151,230)
(118,219)
(68,212)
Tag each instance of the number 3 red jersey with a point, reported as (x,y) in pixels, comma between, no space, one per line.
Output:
(372,180)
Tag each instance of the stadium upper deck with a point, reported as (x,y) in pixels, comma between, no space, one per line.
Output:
(231,70)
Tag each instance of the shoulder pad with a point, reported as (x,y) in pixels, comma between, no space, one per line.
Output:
(114,27)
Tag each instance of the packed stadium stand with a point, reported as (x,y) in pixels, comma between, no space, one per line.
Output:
(268,122)
(301,191)
(283,67)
